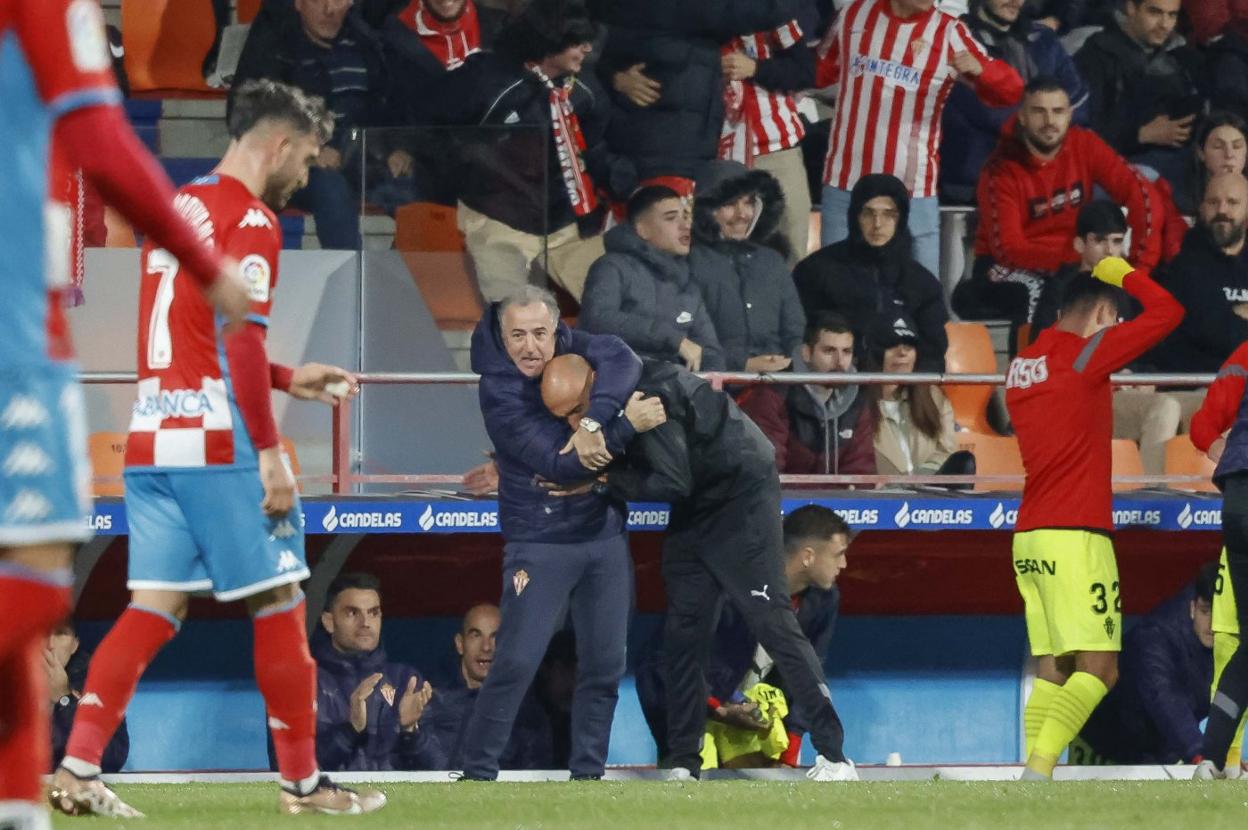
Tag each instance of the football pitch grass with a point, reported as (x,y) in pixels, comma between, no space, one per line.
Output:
(723,805)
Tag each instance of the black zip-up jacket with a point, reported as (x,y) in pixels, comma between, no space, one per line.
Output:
(273,48)
(416,74)
(679,42)
(511,173)
(706,454)
(1208,284)
(1130,85)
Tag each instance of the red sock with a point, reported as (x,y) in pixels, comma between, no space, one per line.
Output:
(114,674)
(25,746)
(286,676)
(33,602)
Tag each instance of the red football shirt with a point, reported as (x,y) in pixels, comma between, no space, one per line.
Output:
(1061,404)
(186,414)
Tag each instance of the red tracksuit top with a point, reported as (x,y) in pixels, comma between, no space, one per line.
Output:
(1061,405)
(1222,402)
(1028,207)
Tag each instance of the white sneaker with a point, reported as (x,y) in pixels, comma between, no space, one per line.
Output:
(679,774)
(74,796)
(825,770)
(1207,771)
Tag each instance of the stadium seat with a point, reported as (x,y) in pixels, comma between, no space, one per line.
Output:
(995,455)
(247,10)
(970,352)
(1183,459)
(166,42)
(107,451)
(1127,462)
(427,236)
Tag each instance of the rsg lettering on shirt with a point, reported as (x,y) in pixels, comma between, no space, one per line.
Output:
(906,77)
(1026,372)
(1235,295)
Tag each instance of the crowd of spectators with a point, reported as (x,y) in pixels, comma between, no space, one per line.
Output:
(659,161)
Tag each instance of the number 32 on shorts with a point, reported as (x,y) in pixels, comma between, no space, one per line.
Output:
(1101,597)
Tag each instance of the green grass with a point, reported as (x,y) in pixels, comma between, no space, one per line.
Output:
(729,805)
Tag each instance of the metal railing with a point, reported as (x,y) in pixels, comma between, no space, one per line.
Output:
(343,478)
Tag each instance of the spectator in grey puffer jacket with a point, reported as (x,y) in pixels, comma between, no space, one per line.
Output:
(642,291)
(738,261)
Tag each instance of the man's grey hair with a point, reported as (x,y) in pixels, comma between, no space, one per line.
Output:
(528,295)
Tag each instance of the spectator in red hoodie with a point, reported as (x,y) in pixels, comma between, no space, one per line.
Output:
(1042,172)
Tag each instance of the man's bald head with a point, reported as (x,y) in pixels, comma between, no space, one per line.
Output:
(1224,210)
(566,384)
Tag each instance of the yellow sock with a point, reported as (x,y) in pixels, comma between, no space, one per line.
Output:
(1036,710)
(1069,710)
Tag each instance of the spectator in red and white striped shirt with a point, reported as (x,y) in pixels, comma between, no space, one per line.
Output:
(763,72)
(893,64)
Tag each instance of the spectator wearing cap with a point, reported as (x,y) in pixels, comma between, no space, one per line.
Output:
(874,271)
(531,188)
(641,289)
(817,428)
(1142,78)
(737,260)
(1141,414)
(1040,175)
(914,425)
(1153,713)
(325,49)
(65,665)
(969,128)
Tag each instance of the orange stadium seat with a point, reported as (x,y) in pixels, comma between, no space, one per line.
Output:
(166,42)
(107,451)
(429,240)
(1127,462)
(995,455)
(247,10)
(970,352)
(1183,459)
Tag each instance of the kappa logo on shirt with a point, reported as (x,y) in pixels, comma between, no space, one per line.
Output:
(684,317)
(91,699)
(287,561)
(255,218)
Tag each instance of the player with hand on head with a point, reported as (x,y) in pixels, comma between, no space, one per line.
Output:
(1060,401)
(203,445)
(56,84)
